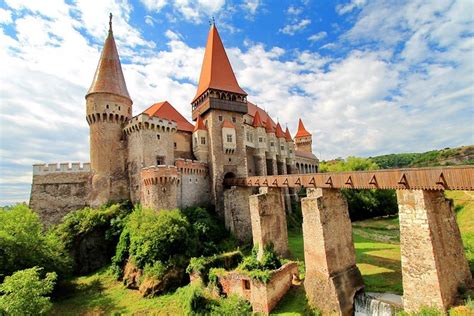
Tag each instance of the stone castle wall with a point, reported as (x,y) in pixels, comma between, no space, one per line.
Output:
(183,148)
(160,187)
(194,185)
(58,189)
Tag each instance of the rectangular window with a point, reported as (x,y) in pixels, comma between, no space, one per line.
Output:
(203,140)
(272,144)
(229,138)
(158,136)
(175,145)
(160,160)
(282,147)
(260,139)
(246,284)
(195,140)
(220,118)
(248,136)
(234,119)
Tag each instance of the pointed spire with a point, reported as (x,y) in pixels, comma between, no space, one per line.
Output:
(288,135)
(200,125)
(216,71)
(268,126)
(302,132)
(257,121)
(279,132)
(108,76)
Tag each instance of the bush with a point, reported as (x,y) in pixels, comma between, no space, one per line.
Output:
(193,300)
(91,235)
(24,293)
(232,306)
(261,270)
(23,244)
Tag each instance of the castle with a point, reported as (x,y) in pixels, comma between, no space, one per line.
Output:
(158,158)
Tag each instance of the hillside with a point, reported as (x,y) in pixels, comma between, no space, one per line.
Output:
(445,157)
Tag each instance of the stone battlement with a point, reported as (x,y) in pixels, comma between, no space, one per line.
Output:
(160,175)
(188,166)
(42,169)
(144,121)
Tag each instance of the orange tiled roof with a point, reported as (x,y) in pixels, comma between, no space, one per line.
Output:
(279,132)
(257,121)
(302,132)
(166,111)
(252,109)
(288,135)
(304,154)
(269,126)
(216,71)
(200,124)
(227,124)
(108,76)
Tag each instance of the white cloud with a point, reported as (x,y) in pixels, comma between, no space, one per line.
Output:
(149,20)
(318,36)
(291,29)
(195,11)
(5,16)
(292,10)
(349,7)
(154,5)
(251,5)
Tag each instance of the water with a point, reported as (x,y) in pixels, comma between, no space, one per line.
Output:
(377,304)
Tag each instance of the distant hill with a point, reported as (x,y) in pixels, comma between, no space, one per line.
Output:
(445,157)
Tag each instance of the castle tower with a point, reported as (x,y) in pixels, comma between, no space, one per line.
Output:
(272,153)
(200,141)
(260,146)
(109,106)
(303,139)
(221,103)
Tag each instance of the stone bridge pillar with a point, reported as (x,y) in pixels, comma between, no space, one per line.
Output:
(434,265)
(332,277)
(267,211)
(237,212)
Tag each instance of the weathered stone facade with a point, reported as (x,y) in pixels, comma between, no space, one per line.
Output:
(267,212)
(237,212)
(332,277)
(434,265)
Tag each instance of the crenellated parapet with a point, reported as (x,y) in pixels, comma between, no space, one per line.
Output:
(187,166)
(145,122)
(160,175)
(43,169)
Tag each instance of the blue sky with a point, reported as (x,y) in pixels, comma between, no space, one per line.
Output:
(367,77)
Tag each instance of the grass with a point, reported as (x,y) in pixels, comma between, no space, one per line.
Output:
(377,255)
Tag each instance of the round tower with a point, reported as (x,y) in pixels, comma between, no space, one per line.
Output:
(108,106)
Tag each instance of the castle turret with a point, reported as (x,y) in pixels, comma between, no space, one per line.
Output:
(273,148)
(303,139)
(109,106)
(260,146)
(221,102)
(200,141)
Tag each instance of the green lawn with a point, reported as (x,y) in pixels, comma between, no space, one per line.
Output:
(377,255)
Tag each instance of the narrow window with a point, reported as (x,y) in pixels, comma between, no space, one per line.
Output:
(234,119)
(175,145)
(246,284)
(158,136)
(272,144)
(119,108)
(203,140)
(260,139)
(220,118)
(282,147)
(107,106)
(229,138)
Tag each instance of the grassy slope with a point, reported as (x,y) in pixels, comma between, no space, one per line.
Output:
(377,253)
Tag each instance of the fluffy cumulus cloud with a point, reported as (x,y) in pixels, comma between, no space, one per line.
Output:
(404,82)
(318,36)
(295,26)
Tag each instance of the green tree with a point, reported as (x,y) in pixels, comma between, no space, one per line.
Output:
(24,244)
(25,293)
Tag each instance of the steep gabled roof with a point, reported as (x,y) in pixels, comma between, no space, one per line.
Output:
(108,76)
(302,132)
(228,124)
(288,135)
(279,132)
(216,71)
(200,124)
(166,111)
(257,121)
(269,125)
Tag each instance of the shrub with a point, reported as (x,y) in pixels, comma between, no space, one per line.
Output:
(202,265)
(232,306)
(91,235)
(24,293)
(23,244)
(261,270)
(193,300)
(155,270)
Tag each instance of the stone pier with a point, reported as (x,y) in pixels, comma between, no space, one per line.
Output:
(267,211)
(332,278)
(237,212)
(434,265)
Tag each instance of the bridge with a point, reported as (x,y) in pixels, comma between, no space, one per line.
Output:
(434,264)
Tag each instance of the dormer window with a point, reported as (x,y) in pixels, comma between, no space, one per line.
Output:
(260,139)
(282,147)
(229,138)
(234,119)
(272,144)
(220,118)
(203,140)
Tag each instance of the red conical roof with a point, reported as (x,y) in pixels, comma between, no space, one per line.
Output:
(166,111)
(216,71)
(269,126)
(200,124)
(257,121)
(302,132)
(108,76)
(288,135)
(279,131)
(227,124)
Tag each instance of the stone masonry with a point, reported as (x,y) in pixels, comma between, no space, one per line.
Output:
(237,212)
(267,212)
(434,265)
(332,278)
